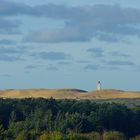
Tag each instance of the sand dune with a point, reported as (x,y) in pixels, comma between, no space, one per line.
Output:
(111,94)
(68,94)
(44,93)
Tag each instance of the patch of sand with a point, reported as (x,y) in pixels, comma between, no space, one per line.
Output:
(111,94)
(68,94)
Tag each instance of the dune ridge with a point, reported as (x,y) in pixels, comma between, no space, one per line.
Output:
(68,94)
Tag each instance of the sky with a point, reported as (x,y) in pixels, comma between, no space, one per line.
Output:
(70,44)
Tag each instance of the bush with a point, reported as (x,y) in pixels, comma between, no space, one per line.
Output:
(21,136)
(2,133)
(113,135)
(94,136)
(136,138)
(74,136)
(56,136)
(44,136)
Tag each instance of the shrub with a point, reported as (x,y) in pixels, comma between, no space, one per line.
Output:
(21,136)
(113,135)
(136,138)
(56,136)
(74,136)
(44,136)
(94,136)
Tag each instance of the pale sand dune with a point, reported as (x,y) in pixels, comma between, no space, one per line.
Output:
(44,93)
(68,94)
(111,94)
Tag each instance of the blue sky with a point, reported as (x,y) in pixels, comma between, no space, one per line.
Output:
(69,44)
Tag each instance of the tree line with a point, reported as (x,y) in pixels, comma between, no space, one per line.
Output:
(50,119)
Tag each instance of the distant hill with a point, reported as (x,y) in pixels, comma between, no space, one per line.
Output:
(111,94)
(68,94)
(44,93)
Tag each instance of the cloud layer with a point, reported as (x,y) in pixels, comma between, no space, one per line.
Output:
(51,56)
(105,22)
(81,23)
(9,26)
(12,53)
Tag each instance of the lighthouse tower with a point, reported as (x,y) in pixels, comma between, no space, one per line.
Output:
(99,86)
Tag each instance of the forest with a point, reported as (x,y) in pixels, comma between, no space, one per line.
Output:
(50,119)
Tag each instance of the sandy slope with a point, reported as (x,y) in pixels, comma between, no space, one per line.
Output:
(45,93)
(68,94)
(111,94)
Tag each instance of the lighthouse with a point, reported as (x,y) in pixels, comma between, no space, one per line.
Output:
(99,86)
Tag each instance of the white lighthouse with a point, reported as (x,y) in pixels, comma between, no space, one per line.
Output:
(99,86)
